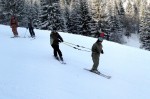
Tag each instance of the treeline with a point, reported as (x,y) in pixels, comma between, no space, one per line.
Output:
(86,17)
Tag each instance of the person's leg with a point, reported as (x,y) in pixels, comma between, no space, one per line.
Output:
(33,34)
(59,52)
(95,62)
(55,50)
(30,30)
(14,30)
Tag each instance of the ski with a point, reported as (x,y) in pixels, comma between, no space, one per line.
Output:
(62,62)
(32,38)
(101,74)
(15,37)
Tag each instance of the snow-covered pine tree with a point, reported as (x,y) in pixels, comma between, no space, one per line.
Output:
(98,12)
(32,12)
(43,16)
(97,9)
(86,19)
(136,18)
(12,7)
(145,27)
(1,10)
(36,10)
(75,17)
(146,45)
(108,19)
(142,22)
(129,19)
(137,7)
(116,31)
(66,13)
(121,14)
(55,17)
(68,2)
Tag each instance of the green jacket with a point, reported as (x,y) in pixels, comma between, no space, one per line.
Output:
(97,48)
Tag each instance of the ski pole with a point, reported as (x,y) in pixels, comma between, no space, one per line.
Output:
(77,45)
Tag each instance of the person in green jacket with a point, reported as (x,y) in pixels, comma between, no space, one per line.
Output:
(96,51)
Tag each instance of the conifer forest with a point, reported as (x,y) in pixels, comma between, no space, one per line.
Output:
(116,18)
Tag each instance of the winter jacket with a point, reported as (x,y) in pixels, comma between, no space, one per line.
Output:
(97,49)
(30,25)
(55,38)
(13,22)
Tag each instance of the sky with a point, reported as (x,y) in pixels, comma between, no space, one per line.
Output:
(28,69)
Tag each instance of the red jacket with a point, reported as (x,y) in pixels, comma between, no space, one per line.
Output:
(13,22)
(102,35)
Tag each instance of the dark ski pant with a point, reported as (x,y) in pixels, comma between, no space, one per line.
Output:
(95,59)
(56,50)
(31,32)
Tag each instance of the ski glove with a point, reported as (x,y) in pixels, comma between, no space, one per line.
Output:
(60,41)
(102,52)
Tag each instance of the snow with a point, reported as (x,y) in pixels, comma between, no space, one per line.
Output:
(29,71)
(133,41)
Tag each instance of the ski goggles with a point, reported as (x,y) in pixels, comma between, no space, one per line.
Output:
(100,39)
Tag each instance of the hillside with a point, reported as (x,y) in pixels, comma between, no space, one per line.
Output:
(29,71)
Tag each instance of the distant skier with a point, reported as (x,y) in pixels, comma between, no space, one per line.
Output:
(31,28)
(96,51)
(14,25)
(102,34)
(55,38)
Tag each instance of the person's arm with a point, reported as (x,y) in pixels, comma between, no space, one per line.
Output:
(60,38)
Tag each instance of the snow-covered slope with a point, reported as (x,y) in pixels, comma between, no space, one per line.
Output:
(29,71)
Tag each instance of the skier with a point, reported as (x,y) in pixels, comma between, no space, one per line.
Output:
(55,38)
(102,34)
(96,51)
(30,26)
(14,25)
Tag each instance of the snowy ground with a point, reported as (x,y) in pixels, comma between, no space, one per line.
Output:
(29,71)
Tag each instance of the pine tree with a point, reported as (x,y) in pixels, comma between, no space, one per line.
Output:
(32,9)
(129,19)
(86,19)
(98,12)
(32,12)
(66,13)
(145,27)
(116,30)
(12,7)
(75,17)
(35,17)
(121,14)
(55,17)
(97,9)
(43,16)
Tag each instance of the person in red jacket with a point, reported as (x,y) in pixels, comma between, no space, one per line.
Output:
(14,25)
(102,34)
